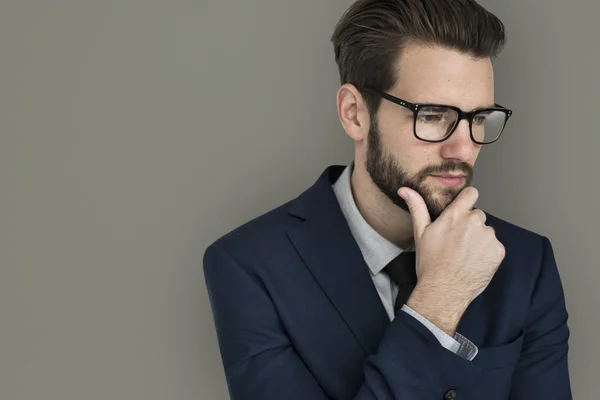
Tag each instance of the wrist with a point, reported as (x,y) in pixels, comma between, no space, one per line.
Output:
(443,310)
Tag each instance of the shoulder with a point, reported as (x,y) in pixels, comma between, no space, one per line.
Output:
(512,235)
(528,253)
(262,237)
(524,248)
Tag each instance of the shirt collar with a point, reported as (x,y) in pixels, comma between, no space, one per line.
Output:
(376,250)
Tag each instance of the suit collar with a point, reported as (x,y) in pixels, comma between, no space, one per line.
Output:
(319,195)
(325,243)
(376,249)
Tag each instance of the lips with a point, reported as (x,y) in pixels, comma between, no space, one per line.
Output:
(450,180)
(450,176)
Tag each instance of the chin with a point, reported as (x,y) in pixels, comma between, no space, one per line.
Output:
(440,198)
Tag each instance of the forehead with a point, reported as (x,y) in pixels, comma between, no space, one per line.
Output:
(431,74)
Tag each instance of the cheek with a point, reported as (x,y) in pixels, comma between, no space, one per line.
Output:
(396,124)
(398,140)
(420,154)
(397,137)
(413,157)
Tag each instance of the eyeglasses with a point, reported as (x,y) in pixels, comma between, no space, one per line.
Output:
(435,123)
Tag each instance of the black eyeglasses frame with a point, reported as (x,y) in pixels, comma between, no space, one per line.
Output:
(461,115)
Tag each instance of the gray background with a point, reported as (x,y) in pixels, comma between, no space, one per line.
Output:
(136,132)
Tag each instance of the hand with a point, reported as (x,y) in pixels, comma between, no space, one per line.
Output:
(457,256)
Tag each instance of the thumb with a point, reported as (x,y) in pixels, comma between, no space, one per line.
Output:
(418,210)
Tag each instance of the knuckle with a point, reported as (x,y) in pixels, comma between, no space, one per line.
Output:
(501,250)
(474,218)
(483,215)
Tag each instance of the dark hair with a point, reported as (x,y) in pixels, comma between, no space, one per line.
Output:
(371,34)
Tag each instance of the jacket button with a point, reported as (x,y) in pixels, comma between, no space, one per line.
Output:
(451,395)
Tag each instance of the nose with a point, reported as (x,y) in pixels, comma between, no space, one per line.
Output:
(459,145)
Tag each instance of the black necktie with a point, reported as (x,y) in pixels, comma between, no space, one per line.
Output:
(402,271)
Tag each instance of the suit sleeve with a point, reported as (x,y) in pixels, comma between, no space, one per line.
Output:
(542,371)
(260,360)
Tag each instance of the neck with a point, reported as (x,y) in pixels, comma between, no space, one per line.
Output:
(387,219)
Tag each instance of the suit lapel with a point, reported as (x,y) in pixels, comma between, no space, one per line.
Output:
(327,247)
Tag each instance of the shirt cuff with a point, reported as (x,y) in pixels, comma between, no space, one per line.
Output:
(459,345)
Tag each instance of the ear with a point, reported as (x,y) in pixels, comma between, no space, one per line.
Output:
(353,112)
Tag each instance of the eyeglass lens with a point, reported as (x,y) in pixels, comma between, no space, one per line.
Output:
(434,123)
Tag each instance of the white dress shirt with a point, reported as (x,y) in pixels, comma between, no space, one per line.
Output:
(378,252)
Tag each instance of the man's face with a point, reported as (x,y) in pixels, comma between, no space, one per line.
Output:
(396,158)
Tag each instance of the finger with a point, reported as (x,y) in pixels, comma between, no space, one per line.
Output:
(418,211)
(465,201)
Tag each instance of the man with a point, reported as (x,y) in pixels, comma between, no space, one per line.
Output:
(382,281)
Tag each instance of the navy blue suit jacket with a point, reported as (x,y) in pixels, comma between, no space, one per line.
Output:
(298,317)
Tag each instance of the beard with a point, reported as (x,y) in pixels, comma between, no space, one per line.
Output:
(389,176)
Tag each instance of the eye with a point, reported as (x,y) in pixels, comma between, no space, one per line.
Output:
(480,118)
(430,118)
